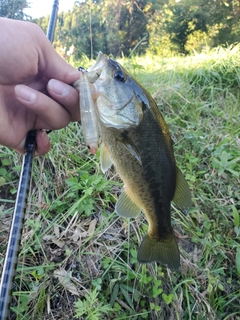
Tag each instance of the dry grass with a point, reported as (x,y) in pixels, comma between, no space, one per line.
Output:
(75,248)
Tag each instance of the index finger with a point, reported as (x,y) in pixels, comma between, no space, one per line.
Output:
(50,63)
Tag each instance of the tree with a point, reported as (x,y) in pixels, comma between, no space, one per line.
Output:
(175,22)
(13,9)
(102,25)
(167,26)
(184,21)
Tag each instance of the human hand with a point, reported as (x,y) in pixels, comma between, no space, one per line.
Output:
(35,91)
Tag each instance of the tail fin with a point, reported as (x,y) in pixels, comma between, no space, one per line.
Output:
(164,251)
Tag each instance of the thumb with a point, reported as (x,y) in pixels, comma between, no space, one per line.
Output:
(43,143)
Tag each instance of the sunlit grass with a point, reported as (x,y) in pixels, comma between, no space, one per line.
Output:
(75,247)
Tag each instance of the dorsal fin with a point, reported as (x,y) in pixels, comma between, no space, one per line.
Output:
(182,195)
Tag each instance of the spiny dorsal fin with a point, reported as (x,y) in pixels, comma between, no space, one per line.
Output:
(105,159)
(182,195)
(125,207)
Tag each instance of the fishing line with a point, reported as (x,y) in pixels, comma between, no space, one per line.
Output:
(13,248)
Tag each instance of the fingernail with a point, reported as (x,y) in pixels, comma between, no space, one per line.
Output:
(44,137)
(58,87)
(25,93)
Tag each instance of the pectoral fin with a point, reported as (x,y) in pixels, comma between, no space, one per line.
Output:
(105,159)
(129,145)
(125,207)
(182,195)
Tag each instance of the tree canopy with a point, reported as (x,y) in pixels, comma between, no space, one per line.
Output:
(122,27)
(13,9)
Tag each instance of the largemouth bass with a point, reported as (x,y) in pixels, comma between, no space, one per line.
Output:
(136,139)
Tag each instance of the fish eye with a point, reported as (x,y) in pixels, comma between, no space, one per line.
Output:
(119,76)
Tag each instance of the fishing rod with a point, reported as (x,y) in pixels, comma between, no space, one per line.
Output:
(13,248)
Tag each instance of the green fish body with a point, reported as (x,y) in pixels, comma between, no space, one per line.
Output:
(137,141)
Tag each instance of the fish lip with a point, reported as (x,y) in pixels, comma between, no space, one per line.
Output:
(95,71)
(101,61)
(94,75)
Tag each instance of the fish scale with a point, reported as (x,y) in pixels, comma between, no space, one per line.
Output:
(151,174)
(152,183)
(136,139)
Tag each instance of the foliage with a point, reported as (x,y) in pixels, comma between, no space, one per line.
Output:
(160,27)
(205,23)
(122,28)
(13,9)
(73,254)
(112,27)
(91,308)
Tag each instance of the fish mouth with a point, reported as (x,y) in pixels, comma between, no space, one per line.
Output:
(93,75)
(94,72)
(99,64)
(103,62)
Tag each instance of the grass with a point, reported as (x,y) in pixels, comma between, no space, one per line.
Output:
(78,258)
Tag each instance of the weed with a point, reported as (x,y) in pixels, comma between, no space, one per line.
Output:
(78,259)
(91,308)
